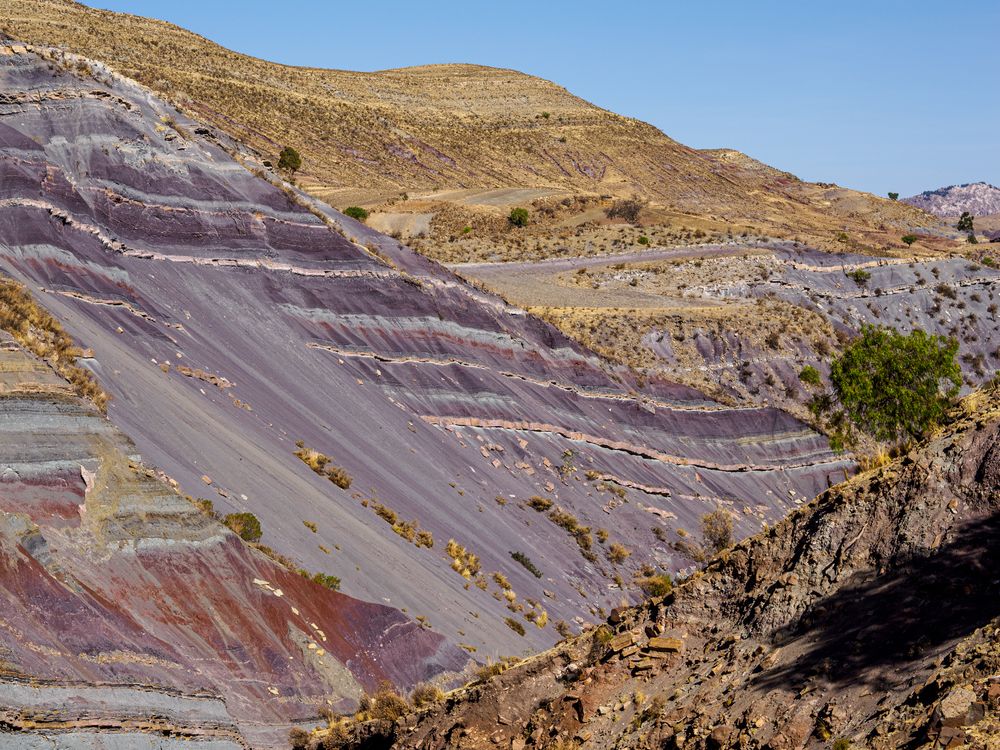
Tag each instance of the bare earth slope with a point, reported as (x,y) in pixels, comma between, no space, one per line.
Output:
(871,615)
(230,319)
(372,136)
(131,617)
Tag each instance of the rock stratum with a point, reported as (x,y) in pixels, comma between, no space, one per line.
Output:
(870,617)
(235,321)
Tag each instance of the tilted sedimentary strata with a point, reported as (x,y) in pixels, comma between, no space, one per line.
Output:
(230,317)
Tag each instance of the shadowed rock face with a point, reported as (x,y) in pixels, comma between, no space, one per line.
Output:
(127,611)
(229,319)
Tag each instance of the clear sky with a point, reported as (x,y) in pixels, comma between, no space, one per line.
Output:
(880,95)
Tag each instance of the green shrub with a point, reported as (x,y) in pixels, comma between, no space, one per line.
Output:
(643,240)
(324,579)
(965,222)
(244,525)
(860,276)
(515,625)
(656,586)
(893,196)
(810,375)
(909,239)
(289,160)
(518,217)
(539,503)
(893,385)
(356,212)
(526,562)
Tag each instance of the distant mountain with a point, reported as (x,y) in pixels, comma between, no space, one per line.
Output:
(978,198)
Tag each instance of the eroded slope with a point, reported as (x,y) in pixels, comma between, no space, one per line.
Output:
(230,318)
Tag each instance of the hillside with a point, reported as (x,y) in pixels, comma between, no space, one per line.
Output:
(869,617)
(978,198)
(481,479)
(427,132)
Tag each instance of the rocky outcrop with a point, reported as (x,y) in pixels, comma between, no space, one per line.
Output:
(870,616)
(978,198)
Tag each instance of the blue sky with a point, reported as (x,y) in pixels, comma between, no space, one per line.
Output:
(879,95)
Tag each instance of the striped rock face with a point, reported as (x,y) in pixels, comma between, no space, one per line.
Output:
(229,317)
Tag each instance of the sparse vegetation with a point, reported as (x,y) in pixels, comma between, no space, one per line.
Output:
(514,625)
(289,160)
(321,465)
(356,212)
(717,530)
(618,553)
(245,525)
(656,585)
(859,276)
(810,375)
(909,239)
(425,694)
(518,217)
(539,503)
(41,334)
(527,563)
(628,209)
(385,704)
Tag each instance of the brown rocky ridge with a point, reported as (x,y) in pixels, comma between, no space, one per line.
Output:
(868,619)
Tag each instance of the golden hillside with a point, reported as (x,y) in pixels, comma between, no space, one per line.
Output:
(369,137)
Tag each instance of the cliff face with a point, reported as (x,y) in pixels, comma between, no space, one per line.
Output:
(869,615)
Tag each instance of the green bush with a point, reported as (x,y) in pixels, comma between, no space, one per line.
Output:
(860,276)
(244,525)
(909,239)
(643,240)
(289,160)
(656,586)
(514,625)
(356,212)
(518,217)
(893,385)
(810,375)
(323,579)
(527,563)
(965,222)
(893,196)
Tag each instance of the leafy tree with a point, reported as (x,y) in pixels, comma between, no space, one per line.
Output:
(289,160)
(895,385)
(909,239)
(965,222)
(356,212)
(893,196)
(518,217)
